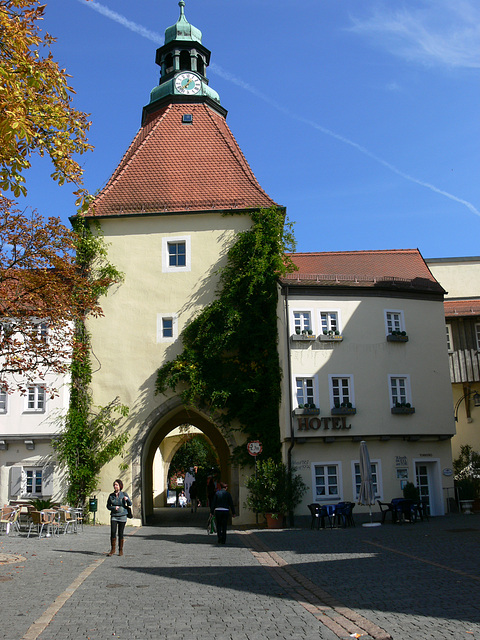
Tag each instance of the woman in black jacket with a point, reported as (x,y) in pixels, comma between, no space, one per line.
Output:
(117,504)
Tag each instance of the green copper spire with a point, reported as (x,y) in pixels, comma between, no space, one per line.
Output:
(182,29)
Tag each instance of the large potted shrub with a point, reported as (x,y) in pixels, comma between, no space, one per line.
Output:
(467,477)
(274,491)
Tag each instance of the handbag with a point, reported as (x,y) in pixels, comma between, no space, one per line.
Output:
(129,508)
(211,524)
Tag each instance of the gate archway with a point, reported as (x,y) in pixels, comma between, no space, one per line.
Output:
(156,428)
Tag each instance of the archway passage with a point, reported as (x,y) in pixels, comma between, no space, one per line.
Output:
(161,430)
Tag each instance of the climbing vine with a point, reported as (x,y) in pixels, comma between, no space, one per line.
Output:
(230,364)
(87,441)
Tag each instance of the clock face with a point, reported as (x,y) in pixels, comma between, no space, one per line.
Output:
(187,83)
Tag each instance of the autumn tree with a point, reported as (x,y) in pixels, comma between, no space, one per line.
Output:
(36,112)
(42,294)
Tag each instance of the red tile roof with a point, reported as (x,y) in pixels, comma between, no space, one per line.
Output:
(404,268)
(171,166)
(455,308)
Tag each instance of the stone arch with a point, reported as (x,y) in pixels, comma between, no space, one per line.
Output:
(156,427)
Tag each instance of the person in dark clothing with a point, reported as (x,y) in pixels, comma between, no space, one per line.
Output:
(193,496)
(117,505)
(221,505)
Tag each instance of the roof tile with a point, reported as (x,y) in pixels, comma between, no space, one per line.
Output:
(171,166)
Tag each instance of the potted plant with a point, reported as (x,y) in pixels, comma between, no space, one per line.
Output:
(274,491)
(411,492)
(467,477)
(346,408)
(403,408)
(309,409)
(397,336)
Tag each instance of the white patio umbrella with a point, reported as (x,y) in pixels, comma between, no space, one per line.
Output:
(366,496)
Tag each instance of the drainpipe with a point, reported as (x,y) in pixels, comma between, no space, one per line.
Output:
(289,386)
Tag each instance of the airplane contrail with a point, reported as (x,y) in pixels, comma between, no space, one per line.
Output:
(215,68)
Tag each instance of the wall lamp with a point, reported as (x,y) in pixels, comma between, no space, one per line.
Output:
(476,401)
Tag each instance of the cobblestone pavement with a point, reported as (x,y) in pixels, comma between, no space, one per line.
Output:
(404,582)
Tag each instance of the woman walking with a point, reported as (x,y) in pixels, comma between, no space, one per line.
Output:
(117,504)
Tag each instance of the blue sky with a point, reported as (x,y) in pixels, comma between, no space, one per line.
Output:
(360,116)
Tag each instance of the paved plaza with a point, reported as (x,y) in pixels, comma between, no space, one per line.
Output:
(405,582)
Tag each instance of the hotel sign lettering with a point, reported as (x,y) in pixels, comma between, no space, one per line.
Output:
(315,423)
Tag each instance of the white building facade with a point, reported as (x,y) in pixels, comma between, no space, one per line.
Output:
(364,359)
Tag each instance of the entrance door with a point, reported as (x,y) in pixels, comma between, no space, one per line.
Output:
(429,482)
(423,485)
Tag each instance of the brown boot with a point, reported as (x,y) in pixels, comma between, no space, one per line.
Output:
(120,547)
(112,550)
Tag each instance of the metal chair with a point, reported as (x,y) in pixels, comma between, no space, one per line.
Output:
(343,513)
(319,513)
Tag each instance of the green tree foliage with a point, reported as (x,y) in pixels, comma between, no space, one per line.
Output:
(196,451)
(274,489)
(229,364)
(88,439)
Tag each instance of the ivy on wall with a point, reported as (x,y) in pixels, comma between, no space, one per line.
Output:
(87,441)
(230,364)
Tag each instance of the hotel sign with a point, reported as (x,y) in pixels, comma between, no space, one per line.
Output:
(312,424)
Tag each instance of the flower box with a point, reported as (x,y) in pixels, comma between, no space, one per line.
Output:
(403,410)
(397,337)
(303,336)
(330,338)
(343,411)
(302,411)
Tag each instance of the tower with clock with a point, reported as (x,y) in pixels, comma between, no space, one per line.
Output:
(170,212)
(183,61)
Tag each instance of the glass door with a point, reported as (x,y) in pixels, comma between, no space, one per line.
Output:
(423,484)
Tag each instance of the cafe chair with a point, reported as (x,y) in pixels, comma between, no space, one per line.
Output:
(386,507)
(319,513)
(344,514)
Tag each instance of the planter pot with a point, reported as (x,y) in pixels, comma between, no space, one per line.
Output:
(324,338)
(466,506)
(343,411)
(391,338)
(300,337)
(274,523)
(306,412)
(403,410)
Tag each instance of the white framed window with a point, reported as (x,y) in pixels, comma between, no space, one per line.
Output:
(326,481)
(176,254)
(477,334)
(33,481)
(329,321)
(167,327)
(448,328)
(341,390)
(305,390)
(394,321)
(35,400)
(302,321)
(41,328)
(376,467)
(3,400)
(399,386)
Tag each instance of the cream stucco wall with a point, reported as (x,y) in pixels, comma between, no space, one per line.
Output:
(460,277)
(126,341)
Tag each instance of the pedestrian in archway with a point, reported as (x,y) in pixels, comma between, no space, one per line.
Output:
(221,505)
(117,504)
